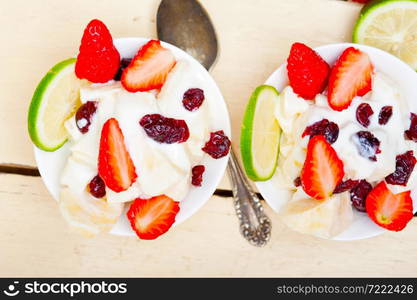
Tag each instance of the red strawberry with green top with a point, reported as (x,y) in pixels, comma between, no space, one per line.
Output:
(152,217)
(149,69)
(351,76)
(388,210)
(307,71)
(98,59)
(322,170)
(115,166)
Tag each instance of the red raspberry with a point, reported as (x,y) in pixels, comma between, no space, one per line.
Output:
(98,59)
(307,71)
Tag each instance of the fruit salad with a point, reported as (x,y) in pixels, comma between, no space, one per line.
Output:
(137,129)
(347,142)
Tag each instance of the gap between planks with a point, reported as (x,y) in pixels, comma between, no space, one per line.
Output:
(32,171)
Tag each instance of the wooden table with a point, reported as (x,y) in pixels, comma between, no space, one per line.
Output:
(255,37)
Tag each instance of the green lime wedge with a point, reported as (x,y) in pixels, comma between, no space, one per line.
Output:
(390,25)
(260,135)
(56,98)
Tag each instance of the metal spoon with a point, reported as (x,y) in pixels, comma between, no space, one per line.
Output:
(186,24)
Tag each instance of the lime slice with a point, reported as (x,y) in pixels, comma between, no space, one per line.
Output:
(56,98)
(390,25)
(260,136)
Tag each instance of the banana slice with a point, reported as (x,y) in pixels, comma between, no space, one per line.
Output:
(86,214)
(323,219)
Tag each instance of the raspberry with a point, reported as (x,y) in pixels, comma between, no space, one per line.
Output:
(363,113)
(307,71)
(329,130)
(218,145)
(84,115)
(165,130)
(192,99)
(98,59)
(404,166)
(197,175)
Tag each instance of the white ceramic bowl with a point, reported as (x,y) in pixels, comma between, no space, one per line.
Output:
(50,164)
(406,78)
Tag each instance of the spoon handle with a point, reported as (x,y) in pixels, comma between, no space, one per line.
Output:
(254,225)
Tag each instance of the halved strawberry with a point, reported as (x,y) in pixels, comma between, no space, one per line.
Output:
(322,170)
(388,210)
(307,71)
(351,76)
(149,69)
(115,166)
(152,217)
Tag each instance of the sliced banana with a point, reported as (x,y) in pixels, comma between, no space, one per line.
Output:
(86,214)
(323,219)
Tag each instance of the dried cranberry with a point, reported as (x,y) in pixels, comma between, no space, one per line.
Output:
(404,166)
(192,99)
(329,130)
(411,133)
(363,113)
(124,63)
(359,193)
(165,130)
(384,115)
(345,186)
(97,187)
(297,181)
(84,115)
(218,145)
(367,144)
(197,173)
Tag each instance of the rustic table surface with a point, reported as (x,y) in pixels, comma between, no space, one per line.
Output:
(255,37)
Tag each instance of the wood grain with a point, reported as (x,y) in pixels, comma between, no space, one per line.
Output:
(35,241)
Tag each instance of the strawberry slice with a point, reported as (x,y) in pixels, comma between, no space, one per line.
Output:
(322,170)
(388,210)
(351,76)
(149,69)
(152,217)
(115,166)
(307,71)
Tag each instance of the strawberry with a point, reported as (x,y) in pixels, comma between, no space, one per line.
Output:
(98,59)
(322,170)
(152,217)
(351,76)
(307,71)
(115,166)
(388,210)
(149,69)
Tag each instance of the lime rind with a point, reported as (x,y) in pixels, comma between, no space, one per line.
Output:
(246,138)
(35,108)
(376,7)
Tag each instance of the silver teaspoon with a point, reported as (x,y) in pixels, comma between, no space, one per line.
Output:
(186,24)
